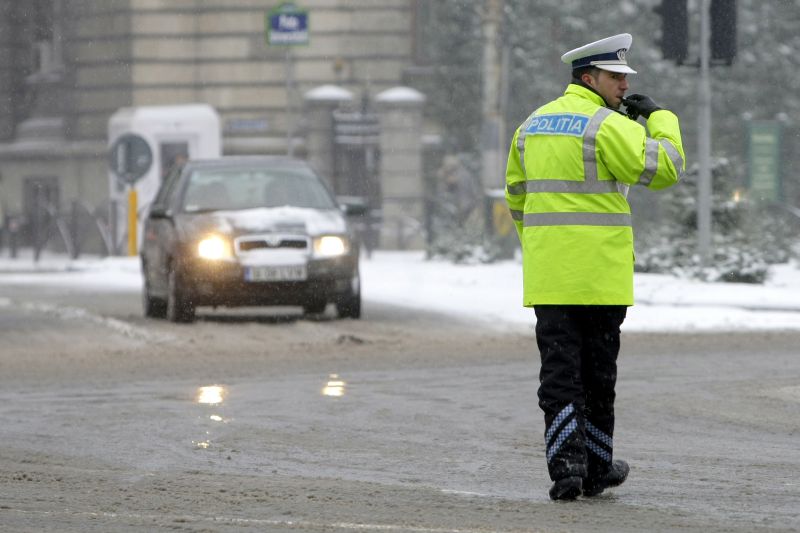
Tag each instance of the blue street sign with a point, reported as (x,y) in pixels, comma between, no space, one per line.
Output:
(287,25)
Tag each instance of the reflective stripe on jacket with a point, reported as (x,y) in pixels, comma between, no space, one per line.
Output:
(569,168)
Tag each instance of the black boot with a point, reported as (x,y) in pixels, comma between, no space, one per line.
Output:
(567,488)
(614,476)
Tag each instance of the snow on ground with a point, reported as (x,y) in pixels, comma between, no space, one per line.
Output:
(491,294)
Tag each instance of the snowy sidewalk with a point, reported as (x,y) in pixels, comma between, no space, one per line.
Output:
(489,294)
(493,293)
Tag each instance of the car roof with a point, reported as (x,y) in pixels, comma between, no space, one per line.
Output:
(247,161)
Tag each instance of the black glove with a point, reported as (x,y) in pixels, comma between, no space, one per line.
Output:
(639,104)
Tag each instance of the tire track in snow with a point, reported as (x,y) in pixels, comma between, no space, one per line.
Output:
(79,314)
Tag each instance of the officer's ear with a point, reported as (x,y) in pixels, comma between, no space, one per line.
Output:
(589,79)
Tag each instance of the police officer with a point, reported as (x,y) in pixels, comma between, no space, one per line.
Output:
(569,169)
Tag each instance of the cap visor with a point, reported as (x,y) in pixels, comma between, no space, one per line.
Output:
(625,69)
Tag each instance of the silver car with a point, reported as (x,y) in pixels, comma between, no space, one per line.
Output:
(251,231)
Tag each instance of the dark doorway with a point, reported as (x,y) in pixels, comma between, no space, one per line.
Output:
(41,197)
(356,149)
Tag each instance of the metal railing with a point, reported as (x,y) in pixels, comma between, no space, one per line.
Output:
(45,226)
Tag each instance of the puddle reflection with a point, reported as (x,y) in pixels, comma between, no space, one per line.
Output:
(335,386)
(211,395)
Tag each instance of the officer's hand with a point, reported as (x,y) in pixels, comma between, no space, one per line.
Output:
(639,104)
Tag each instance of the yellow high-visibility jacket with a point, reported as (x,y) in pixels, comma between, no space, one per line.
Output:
(569,168)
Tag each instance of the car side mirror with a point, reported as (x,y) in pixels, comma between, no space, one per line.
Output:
(352,206)
(158,211)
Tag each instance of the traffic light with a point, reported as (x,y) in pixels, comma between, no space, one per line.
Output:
(723,30)
(674,29)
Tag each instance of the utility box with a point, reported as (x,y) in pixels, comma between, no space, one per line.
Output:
(173,134)
(500,229)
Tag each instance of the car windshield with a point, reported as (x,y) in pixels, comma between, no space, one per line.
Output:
(248,188)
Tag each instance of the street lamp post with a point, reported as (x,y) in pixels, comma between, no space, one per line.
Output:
(704,140)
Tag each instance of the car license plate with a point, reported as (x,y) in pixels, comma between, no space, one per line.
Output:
(276,273)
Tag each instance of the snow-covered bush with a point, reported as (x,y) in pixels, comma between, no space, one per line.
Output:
(747,237)
(464,242)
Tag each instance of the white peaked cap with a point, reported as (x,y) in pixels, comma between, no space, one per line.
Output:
(607,54)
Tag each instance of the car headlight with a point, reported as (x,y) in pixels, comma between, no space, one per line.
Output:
(214,247)
(330,246)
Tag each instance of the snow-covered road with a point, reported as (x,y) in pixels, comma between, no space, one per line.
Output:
(401,421)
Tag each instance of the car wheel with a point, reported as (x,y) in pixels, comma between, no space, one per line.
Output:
(315,308)
(153,307)
(350,305)
(180,307)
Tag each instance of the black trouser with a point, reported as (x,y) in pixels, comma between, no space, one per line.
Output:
(579,346)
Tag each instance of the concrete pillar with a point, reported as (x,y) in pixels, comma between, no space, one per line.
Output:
(8,53)
(320,103)
(402,187)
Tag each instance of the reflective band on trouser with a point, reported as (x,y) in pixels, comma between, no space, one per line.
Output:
(557,421)
(576,219)
(590,144)
(521,141)
(592,432)
(598,451)
(553,445)
(650,162)
(599,435)
(562,437)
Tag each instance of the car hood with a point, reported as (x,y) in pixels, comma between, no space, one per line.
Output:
(295,220)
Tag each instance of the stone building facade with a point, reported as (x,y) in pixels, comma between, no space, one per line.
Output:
(66,66)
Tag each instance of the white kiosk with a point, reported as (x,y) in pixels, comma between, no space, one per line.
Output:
(173,133)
